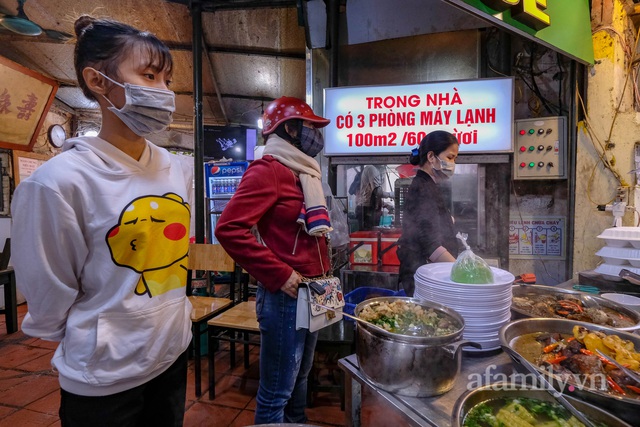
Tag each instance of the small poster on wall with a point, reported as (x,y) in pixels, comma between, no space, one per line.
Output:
(25,163)
(537,237)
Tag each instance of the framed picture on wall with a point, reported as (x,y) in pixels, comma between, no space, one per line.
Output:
(25,99)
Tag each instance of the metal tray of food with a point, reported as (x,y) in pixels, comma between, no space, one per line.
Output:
(496,391)
(516,336)
(549,302)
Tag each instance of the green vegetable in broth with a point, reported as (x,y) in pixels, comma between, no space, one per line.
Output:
(402,317)
(520,412)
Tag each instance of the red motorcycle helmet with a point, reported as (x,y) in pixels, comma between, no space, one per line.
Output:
(288,108)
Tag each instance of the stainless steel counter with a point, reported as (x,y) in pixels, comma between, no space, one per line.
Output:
(430,411)
(435,411)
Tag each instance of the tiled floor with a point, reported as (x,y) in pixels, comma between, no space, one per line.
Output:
(29,391)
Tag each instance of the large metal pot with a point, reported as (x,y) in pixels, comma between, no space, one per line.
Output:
(410,365)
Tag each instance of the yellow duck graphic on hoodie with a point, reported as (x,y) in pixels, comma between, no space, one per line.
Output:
(152,238)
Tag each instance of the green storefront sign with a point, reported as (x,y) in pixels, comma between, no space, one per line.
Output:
(564,25)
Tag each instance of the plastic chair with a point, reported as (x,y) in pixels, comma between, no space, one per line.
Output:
(206,257)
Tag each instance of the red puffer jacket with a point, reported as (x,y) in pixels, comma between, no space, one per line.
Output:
(270,196)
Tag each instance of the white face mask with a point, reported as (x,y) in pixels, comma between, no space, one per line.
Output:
(146,110)
(446,169)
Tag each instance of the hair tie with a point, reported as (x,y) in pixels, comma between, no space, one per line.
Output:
(415,152)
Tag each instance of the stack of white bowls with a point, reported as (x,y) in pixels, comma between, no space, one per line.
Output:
(485,308)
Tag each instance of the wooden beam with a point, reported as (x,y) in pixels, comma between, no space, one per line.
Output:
(214,81)
(175,46)
(239,51)
(212,5)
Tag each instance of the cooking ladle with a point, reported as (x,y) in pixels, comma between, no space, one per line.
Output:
(357,319)
(548,387)
(623,368)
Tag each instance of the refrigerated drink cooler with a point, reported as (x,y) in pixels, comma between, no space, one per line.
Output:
(222,180)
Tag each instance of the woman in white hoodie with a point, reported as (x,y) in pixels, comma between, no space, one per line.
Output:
(100,240)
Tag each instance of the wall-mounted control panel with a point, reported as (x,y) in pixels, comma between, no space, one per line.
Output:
(540,149)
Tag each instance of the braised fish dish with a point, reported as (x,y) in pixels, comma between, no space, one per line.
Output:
(573,359)
(566,306)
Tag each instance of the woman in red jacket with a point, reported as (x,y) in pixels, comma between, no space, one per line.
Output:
(280,196)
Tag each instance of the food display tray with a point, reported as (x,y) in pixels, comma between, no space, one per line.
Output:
(587,301)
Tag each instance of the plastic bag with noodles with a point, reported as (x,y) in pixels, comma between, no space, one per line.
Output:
(469,267)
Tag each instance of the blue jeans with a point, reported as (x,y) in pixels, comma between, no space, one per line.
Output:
(286,358)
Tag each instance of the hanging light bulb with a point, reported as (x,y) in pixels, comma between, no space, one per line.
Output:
(260,124)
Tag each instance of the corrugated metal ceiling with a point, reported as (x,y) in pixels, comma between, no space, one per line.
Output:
(256,50)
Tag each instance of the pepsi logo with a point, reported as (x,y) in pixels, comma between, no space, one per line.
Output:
(215,170)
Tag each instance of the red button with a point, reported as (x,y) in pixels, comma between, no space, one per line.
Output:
(522,132)
(523,149)
(523,164)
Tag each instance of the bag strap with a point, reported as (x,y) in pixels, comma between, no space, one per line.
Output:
(328,240)
(325,275)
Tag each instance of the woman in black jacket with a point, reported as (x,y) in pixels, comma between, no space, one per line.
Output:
(428,233)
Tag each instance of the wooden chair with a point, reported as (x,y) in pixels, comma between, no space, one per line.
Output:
(211,257)
(206,257)
(8,282)
(240,319)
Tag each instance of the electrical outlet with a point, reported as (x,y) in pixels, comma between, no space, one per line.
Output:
(622,194)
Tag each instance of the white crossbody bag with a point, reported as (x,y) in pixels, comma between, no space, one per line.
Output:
(314,297)
(320,302)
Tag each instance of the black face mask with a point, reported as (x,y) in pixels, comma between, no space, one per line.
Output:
(311,141)
(308,140)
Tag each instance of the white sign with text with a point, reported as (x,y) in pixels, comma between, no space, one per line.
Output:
(367,120)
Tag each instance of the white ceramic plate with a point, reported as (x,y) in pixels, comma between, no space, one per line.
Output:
(441,272)
(470,302)
(479,350)
(480,293)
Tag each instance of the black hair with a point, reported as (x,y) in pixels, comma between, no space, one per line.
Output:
(436,141)
(103,43)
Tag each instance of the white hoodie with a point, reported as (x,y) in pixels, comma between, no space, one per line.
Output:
(99,246)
